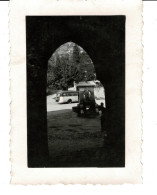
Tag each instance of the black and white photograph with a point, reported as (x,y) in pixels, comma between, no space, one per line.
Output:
(78,96)
(75,69)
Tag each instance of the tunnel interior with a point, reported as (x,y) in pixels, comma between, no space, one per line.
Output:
(103,38)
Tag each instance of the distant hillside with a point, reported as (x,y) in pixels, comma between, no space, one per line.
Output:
(67,64)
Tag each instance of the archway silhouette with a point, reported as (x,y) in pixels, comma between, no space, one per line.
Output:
(103,38)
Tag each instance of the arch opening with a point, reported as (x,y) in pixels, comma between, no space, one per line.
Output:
(65,76)
(96,35)
(66,68)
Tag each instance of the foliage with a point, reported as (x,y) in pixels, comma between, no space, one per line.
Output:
(67,65)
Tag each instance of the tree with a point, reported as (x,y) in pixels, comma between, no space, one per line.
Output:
(67,65)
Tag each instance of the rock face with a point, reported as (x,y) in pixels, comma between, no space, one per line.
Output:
(67,64)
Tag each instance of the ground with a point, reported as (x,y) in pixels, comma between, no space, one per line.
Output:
(77,141)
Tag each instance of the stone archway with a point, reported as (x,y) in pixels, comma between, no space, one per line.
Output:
(103,38)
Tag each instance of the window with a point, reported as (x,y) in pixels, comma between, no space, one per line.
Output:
(64,94)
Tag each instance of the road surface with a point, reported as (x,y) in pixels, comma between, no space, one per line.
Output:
(77,141)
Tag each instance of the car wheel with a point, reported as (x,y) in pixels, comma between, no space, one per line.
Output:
(69,101)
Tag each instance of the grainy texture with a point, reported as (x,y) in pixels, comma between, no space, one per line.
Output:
(103,37)
(122,20)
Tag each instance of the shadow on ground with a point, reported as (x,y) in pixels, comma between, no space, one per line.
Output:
(78,142)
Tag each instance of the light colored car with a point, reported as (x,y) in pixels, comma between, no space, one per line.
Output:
(67,97)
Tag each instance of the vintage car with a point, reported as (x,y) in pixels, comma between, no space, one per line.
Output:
(86,99)
(67,97)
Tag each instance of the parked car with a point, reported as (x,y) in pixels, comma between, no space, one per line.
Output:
(67,97)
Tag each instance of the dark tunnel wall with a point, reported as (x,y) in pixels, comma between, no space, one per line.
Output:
(103,38)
